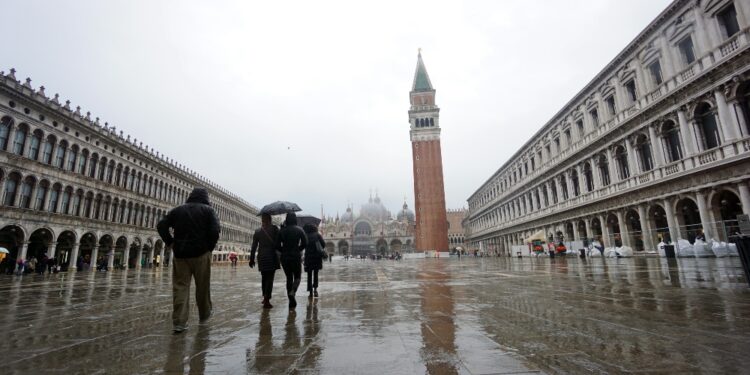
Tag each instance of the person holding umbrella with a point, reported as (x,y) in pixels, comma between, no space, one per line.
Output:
(264,240)
(291,241)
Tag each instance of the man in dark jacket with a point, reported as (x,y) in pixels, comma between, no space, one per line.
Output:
(196,232)
(291,241)
(264,242)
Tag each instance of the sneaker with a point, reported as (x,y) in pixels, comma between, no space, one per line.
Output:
(180,329)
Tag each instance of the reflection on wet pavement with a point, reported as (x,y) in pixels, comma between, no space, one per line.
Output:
(468,316)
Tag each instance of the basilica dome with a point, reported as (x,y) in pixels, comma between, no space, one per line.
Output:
(406,214)
(348,216)
(375,210)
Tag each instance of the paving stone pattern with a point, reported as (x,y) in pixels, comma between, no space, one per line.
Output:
(436,316)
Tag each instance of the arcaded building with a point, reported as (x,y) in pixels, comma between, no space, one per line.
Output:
(655,147)
(72,186)
(373,230)
(456,231)
(427,161)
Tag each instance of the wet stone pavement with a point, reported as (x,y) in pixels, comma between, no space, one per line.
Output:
(446,316)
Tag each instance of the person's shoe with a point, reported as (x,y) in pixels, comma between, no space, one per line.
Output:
(310,296)
(267,304)
(315,293)
(292,302)
(204,320)
(179,329)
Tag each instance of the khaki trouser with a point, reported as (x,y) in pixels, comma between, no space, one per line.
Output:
(183,271)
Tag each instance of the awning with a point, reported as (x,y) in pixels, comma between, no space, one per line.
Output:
(538,236)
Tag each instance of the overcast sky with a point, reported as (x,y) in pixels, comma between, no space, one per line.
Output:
(307,101)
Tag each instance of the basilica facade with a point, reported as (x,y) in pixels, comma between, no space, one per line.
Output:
(72,186)
(655,148)
(372,231)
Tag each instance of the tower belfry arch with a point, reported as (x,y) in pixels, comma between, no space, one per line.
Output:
(427,160)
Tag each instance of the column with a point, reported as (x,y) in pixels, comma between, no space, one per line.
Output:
(612,165)
(12,137)
(728,127)
(595,174)
(45,204)
(589,234)
(126,257)
(558,187)
(656,152)
(73,260)
(51,250)
(648,240)
(569,178)
(605,231)
(111,259)
(744,197)
(138,256)
(674,230)
(540,194)
(150,259)
(686,134)
(24,250)
(708,231)
(581,179)
(94,257)
(632,160)
(161,256)
(576,233)
(624,232)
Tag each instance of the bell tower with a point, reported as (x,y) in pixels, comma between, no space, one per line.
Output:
(429,192)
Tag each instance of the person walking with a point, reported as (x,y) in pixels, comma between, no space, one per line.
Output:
(196,232)
(291,241)
(264,241)
(314,255)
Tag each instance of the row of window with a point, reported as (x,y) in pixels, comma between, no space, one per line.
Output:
(727,20)
(48,150)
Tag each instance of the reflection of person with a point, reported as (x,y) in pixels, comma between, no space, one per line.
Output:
(196,231)
(264,240)
(313,258)
(291,241)
(264,349)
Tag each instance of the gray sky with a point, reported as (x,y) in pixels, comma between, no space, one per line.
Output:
(307,101)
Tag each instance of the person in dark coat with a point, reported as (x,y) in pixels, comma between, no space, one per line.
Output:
(264,240)
(196,232)
(291,241)
(313,258)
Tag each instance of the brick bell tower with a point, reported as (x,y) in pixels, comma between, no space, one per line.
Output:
(427,159)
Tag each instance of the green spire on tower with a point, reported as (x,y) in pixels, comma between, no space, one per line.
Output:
(421,78)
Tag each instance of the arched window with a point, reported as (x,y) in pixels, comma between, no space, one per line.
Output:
(5,125)
(110,171)
(72,156)
(671,138)
(131,178)
(11,184)
(60,154)
(564,187)
(76,206)
(20,139)
(87,203)
(82,162)
(102,168)
(34,144)
(118,174)
(707,126)
(603,165)
(621,158)
(588,176)
(643,148)
(432,121)
(65,202)
(41,193)
(92,165)
(576,187)
(54,196)
(26,186)
(47,149)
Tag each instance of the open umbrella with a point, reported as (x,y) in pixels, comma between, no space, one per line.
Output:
(4,250)
(279,207)
(303,219)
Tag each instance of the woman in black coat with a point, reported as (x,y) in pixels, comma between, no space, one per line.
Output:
(264,241)
(313,258)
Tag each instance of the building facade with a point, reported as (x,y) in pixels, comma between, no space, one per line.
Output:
(372,231)
(654,148)
(73,187)
(456,231)
(427,160)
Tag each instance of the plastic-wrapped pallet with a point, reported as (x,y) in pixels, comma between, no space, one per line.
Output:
(701,249)
(610,252)
(732,250)
(660,249)
(684,249)
(625,251)
(720,249)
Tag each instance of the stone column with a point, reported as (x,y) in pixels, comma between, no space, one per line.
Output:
(581,179)
(138,256)
(605,231)
(656,152)
(161,256)
(150,259)
(744,197)
(24,250)
(595,173)
(648,240)
(708,231)
(576,232)
(111,258)
(94,256)
(12,137)
(569,180)
(686,135)
(729,128)
(558,188)
(612,165)
(51,249)
(589,234)
(633,166)
(624,232)
(73,261)
(126,257)
(674,230)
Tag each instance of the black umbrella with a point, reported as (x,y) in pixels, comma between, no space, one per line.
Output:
(279,207)
(303,219)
